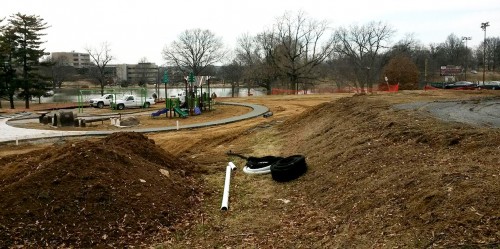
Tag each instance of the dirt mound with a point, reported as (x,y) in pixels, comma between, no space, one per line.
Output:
(381,177)
(111,192)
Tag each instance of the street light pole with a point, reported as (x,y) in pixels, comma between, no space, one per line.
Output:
(484,25)
(466,38)
(368,79)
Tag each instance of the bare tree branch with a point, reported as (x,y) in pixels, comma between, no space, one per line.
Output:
(361,45)
(101,57)
(195,50)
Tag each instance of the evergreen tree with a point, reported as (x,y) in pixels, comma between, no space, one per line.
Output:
(2,72)
(8,79)
(28,52)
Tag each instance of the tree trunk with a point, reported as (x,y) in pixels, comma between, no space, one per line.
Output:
(26,82)
(11,100)
(27,99)
(102,88)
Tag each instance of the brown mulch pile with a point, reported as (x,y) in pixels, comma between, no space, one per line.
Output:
(119,191)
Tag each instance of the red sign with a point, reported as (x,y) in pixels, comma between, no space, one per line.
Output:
(451,70)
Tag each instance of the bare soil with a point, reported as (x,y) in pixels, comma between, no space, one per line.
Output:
(107,192)
(378,177)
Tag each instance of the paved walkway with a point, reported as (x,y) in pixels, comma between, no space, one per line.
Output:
(9,133)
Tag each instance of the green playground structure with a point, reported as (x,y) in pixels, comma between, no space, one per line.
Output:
(194,96)
(180,112)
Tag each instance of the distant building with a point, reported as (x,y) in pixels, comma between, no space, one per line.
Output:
(142,73)
(78,60)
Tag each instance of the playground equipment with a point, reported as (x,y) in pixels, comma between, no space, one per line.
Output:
(192,101)
(172,108)
(180,112)
(195,97)
(159,112)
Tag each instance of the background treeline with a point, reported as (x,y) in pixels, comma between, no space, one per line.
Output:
(297,52)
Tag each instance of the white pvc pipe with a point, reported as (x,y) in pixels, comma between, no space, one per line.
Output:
(177,124)
(225,195)
(231,164)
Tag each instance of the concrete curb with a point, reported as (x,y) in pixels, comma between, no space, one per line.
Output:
(11,134)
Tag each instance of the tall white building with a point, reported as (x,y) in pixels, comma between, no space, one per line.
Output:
(75,59)
(137,73)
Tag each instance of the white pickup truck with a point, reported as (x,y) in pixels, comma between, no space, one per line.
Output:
(104,100)
(128,101)
(181,95)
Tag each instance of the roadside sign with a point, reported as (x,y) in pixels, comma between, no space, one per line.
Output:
(451,70)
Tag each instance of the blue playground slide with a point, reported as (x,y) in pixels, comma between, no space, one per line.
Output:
(197,111)
(181,113)
(159,112)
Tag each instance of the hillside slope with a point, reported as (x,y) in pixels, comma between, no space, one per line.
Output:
(385,177)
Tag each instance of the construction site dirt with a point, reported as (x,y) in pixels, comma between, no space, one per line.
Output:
(384,171)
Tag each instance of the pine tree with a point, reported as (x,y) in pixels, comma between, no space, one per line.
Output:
(9,82)
(28,52)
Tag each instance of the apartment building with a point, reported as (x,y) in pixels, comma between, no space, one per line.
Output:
(137,73)
(75,59)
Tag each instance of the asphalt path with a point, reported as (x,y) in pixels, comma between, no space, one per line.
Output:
(479,113)
(9,133)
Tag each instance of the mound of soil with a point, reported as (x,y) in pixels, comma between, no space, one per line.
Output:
(111,192)
(381,177)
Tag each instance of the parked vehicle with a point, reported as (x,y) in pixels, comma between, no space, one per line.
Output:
(493,85)
(104,100)
(49,93)
(461,85)
(129,101)
(181,95)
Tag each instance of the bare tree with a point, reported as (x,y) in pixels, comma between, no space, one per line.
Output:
(297,45)
(248,51)
(452,51)
(143,74)
(194,51)
(101,57)
(361,45)
(492,51)
(257,67)
(231,73)
(416,51)
(57,70)
(340,71)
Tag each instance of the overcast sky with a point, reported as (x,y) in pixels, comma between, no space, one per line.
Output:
(137,29)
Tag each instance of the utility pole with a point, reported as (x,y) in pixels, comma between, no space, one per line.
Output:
(425,71)
(484,25)
(466,38)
